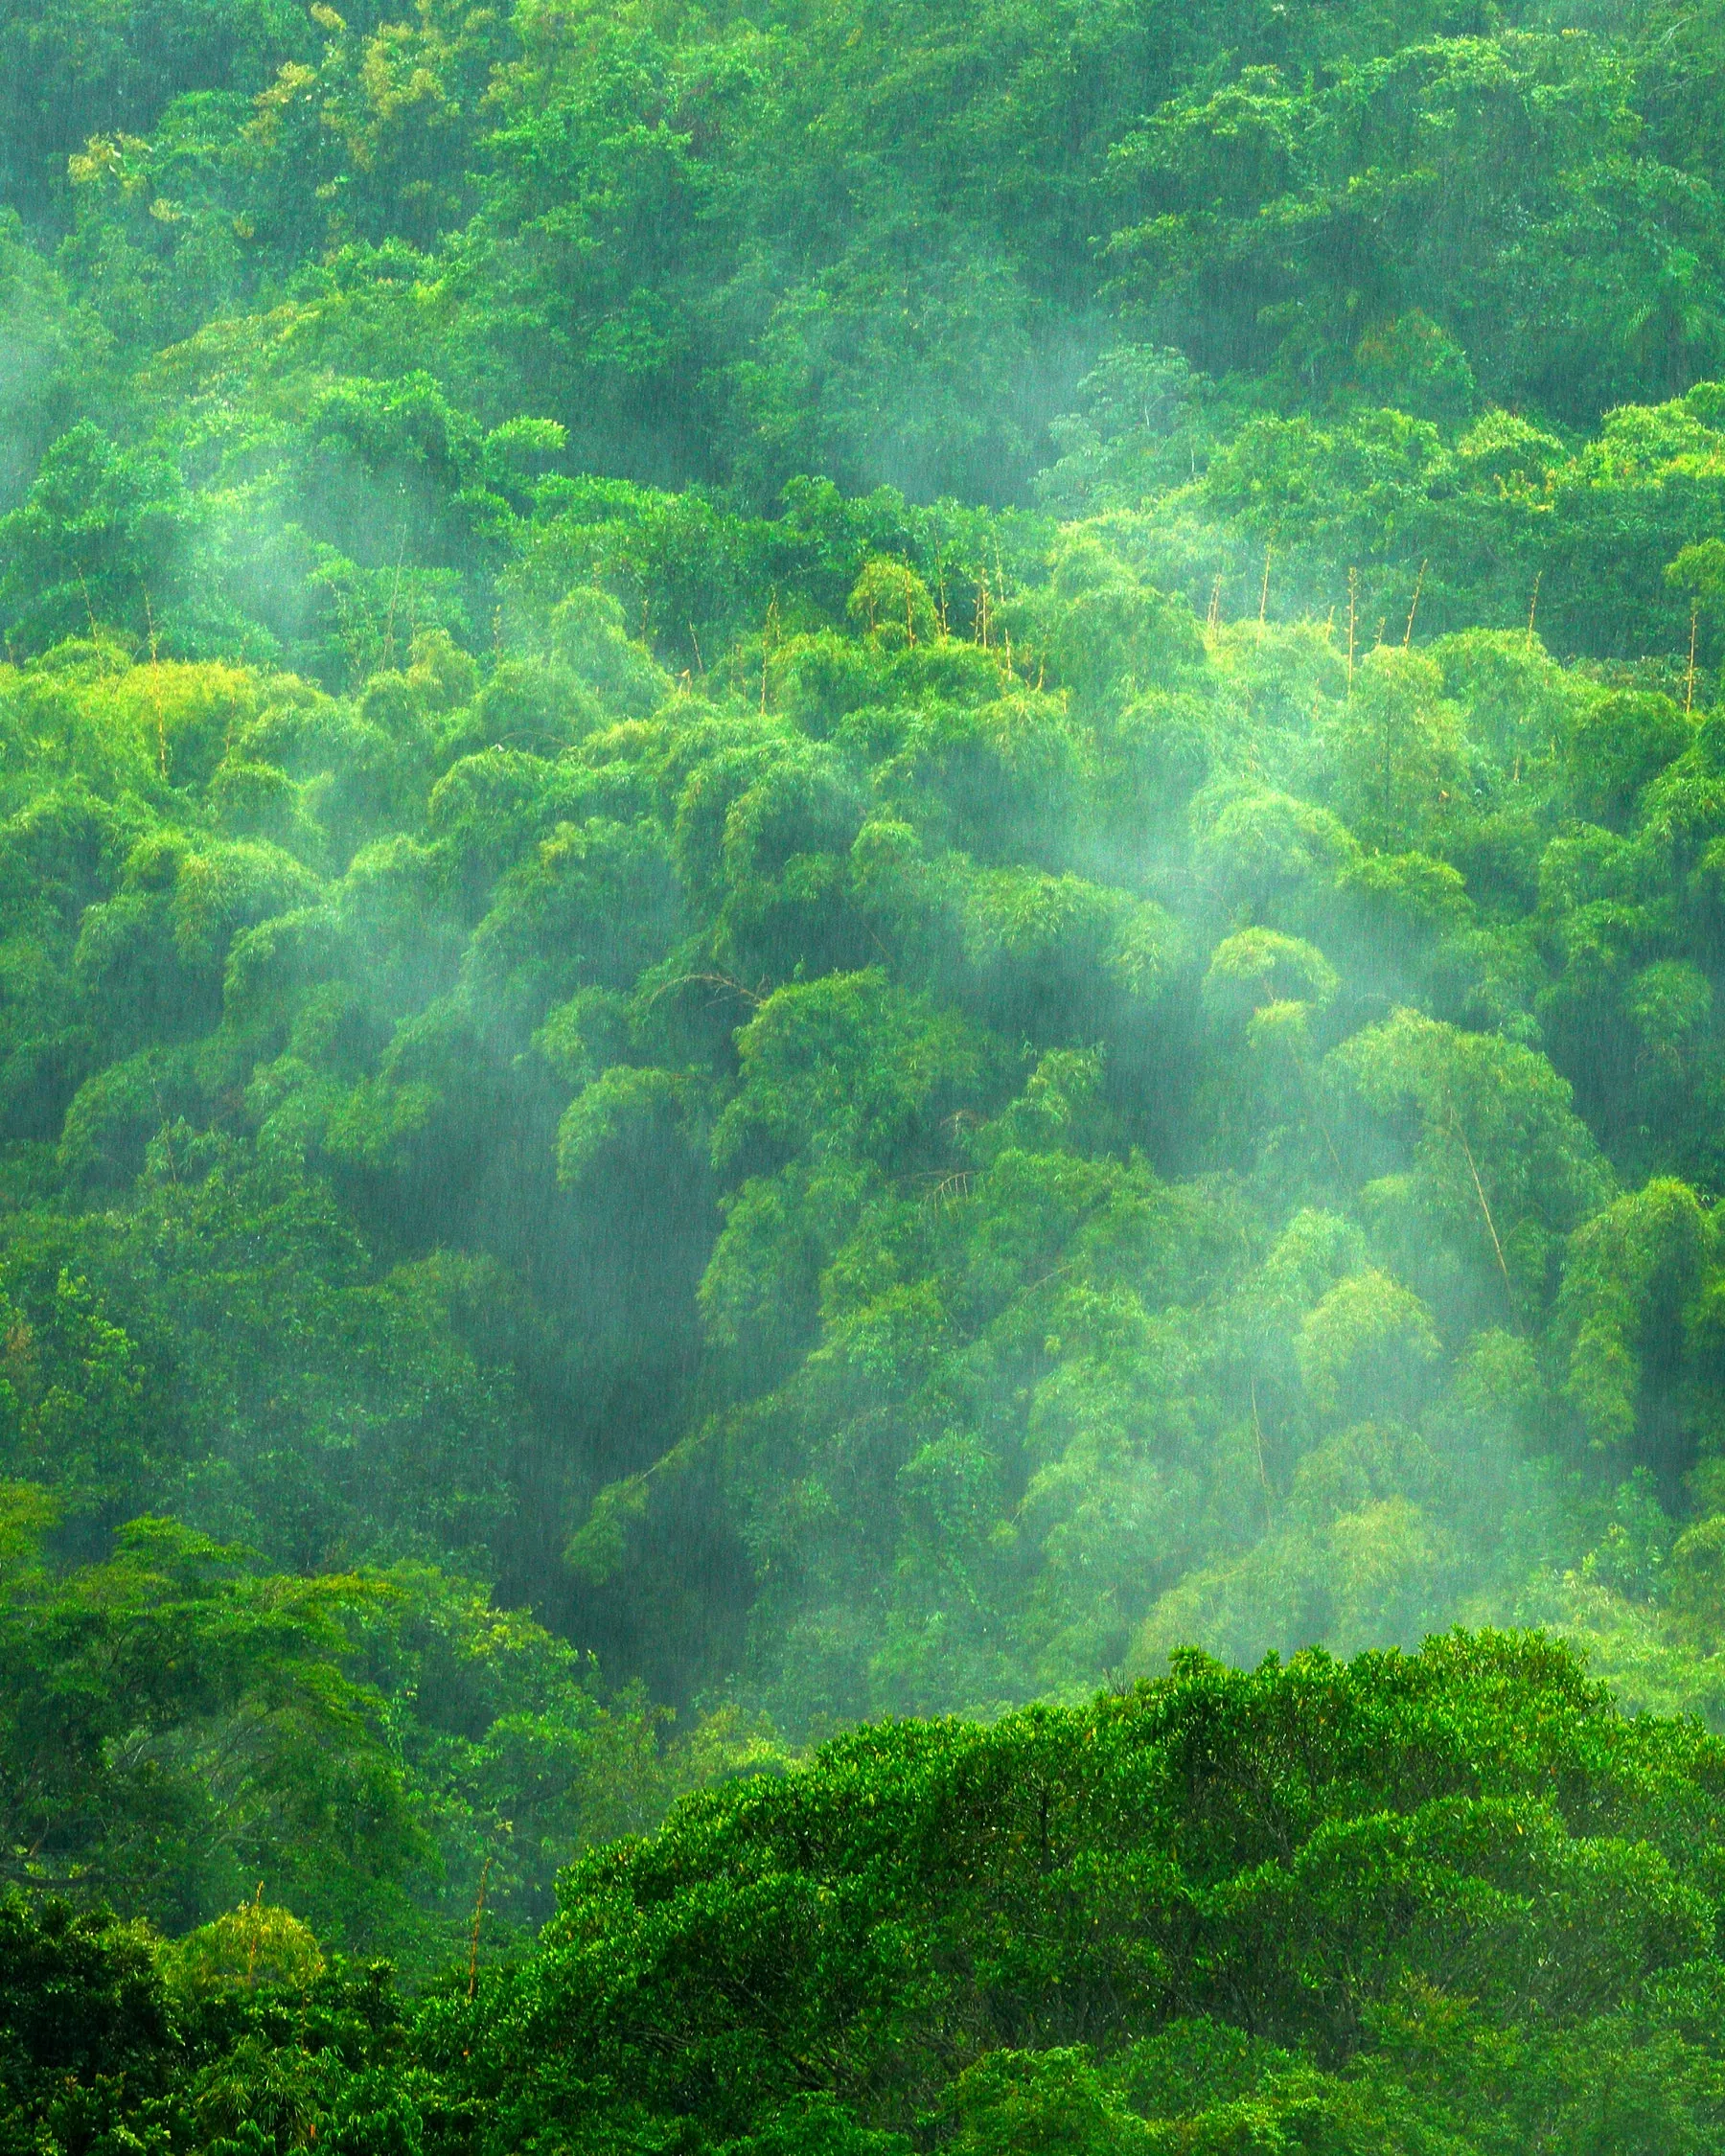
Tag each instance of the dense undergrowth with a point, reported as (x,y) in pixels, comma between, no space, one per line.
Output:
(854,862)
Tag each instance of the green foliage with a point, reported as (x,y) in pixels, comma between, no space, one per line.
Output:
(248,1946)
(883,848)
(1452,1901)
(1432,1902)
(378,1746)
(926,1167)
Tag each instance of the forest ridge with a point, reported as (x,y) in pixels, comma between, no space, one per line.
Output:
(861,895)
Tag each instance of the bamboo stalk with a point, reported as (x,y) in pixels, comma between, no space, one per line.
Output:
(1258,1432)
(1688,699)
(251,1947)
(1490,1224)
(1353,607)
(474,1942)
(1419,587)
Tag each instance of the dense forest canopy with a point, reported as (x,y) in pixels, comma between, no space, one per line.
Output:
(856,862)
(1445,1905)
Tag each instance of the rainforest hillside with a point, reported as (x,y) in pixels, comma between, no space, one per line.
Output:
(854,862)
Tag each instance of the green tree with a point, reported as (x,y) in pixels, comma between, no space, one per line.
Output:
(97,546)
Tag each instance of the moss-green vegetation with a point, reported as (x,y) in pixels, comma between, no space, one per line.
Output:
(854,862)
